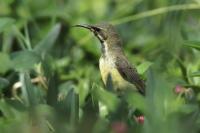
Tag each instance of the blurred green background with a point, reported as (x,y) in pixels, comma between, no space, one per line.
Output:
(49,77)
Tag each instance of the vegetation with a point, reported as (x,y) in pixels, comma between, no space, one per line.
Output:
(49,77)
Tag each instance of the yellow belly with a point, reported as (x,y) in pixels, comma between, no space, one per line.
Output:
(107,68)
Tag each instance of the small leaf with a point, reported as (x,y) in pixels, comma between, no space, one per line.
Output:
(5,23)
(5,64)
(195,74)
(16,104)
(45,109)
(83,91)
(136,100)
(48,40)
(6,110)
(24,60)
(52,92)
(198,97)
(3,83)
(183,70)
(142,68)
(193,44)
(74,108)
(109,99)
(11,109)
(64,89)
(188,108)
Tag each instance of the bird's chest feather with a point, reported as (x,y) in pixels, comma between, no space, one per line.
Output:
(108,68)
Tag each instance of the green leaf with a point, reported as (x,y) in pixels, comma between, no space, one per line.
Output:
(136,100)
(188,108)
(5,64)
(198,97)
(28,90)
(83,91)
(16,104)
(3,83)
(11,109)
(74,108)
(109,99)
(195,74)
(183,70)
(45,110)
(48,41)
(193,44)
(52,93)
(5,23)
(142,68)
(64,89)
(69,103)
(6,109)
(24,60)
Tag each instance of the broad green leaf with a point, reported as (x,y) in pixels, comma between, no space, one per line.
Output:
(28,90)
(24,60)
(5,23)
(109,99)
(142,68)
(193,44)
(5,63)
(160,97)
(48,41)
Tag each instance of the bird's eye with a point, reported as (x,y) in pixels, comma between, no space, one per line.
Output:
(99,32)
(97,29)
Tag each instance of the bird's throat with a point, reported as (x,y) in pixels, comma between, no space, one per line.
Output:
(105,49)
(109,49)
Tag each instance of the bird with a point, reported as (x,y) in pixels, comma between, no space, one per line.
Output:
(116,71)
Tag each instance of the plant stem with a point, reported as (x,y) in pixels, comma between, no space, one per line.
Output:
(155,12)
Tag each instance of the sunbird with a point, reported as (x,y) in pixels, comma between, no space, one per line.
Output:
(113,64)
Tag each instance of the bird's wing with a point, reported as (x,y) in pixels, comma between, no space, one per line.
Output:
(130,74)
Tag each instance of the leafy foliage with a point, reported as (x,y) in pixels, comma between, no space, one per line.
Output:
(49,77)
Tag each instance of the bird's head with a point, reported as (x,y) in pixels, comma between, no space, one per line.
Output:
(106,34)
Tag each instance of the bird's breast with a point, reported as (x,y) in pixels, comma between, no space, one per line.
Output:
(108,68)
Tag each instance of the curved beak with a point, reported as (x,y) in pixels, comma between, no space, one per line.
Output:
(85,26)
(93,29)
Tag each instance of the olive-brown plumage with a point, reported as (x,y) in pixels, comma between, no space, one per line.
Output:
(113,64)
